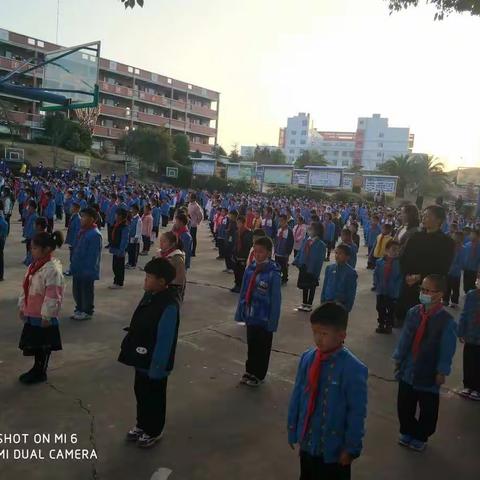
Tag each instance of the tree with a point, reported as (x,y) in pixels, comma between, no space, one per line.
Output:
(278,158)
(7,120)
(132,3)
(311,158)
(443,7)
(402,167)
(234,155)
(429,176)
(218,151)
(197,154)
(152,146)
(181,145)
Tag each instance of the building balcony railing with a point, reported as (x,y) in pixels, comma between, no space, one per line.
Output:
(25,119)
(201,147)
(150,119)
(201,129)
(11,64)
(115,89)
(108,132)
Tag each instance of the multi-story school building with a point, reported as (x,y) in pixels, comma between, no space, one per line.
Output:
(129,97)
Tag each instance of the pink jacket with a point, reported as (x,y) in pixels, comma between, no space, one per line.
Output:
(299,232)
(147,225)
(45,294)
(195,213)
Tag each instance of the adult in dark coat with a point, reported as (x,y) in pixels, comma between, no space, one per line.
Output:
(427,251)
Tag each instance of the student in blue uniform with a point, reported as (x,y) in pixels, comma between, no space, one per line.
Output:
(346,237)
(50,212)
(469,335)
(135,234)
(309,261)
(452,293)
(118,248)
(423,359)
(259,308)
(29,228)
(471,261)
(329,234)
(283,246)
(388,280)
(85,264)
(73,229)
(67,205)
(150,346)
(328,406)
(59,201)
(340,283)
(374,231)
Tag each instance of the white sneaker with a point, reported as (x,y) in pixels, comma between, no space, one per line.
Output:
(82,316)
(465,392)
(474,395)
(115,287)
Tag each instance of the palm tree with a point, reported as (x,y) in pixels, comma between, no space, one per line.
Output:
(430,177)
(401,166)
(311,158)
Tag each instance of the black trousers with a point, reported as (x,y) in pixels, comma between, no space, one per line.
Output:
(221,247)
(407,402)
(239,270)
(146,243)
(385,310)
(109,233)
(83,290)
(408,299)
(49,225)
(308,295)
(193,233)
(469,277)
(2,246)
(453,290)
(259,343)
(228,252)
(133,251)
(471,366)
(164,220)
(59,212)
(118,267)
(41,361)
(151,398)
(68,216)
(283,262)
(314,468)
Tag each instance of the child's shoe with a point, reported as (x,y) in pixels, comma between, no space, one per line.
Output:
(82,316)
(253,381)
(417,445)
(405,440)
(235,289)
(115,287)
(33,376)
(454,305)
(146,441)
(465,392)
(134,434)
(474,395)
(246,376)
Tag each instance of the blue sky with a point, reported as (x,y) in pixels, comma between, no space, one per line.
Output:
(337,59)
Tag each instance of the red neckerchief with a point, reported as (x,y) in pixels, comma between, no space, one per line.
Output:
(166,253)
(473,250)
(387,270)
(282,229)
(83,231)
(251,256)
(313,382)
(425,316)
(308,247)
(117,224)
(252,283)
(181,231)
(32,270)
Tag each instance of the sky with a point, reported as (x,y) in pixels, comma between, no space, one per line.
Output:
(270,59)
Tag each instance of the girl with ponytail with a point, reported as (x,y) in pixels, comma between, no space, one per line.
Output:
(39,305)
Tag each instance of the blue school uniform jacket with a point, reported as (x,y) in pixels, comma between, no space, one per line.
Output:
(392,287)
(338,421)
(73,229)
(50,209)
(67,204)
(156,214)
(29,226)
(187,242)
(314,260)
(436,350)
(472,256)
(284,242)
(469,325)
(87,254)
(3,229)
(352,261)
(457,263)
(111,212)
(118,247)
(373,232)
(165,209)
(340,285)
(265,305)
(59,198)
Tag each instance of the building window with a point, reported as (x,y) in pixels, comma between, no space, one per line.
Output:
(169,81)
(380,135)
(113,65)
(304,123)
(292,142)
(40,43)
(31,41)
(189,87)
(294,132)
(335,153)
(137,71)
(130,69)
(379,154)
(344,154)
(292,150)
(304,132)
(345,163)
(380,145)
(303,142)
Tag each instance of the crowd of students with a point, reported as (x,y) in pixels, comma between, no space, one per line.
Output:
(416,276)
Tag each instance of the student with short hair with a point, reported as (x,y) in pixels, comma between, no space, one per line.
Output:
(452,292)
(347,239)
(149,347)
(85,264)
(241,250)
(39,305)
(135,234)
(73,229)
(118,248)
(147,229)
(283,246)
(328,405)
(340,283)
(29,228)
(259,308)
(423,358)
(184,237)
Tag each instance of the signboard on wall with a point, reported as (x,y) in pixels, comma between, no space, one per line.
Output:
(468,176)
(325,177)
(203,166)
(280,175)
(347,181)
(380,183)
(300,177)
(241,171)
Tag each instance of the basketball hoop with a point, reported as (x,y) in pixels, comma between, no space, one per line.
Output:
(87,117)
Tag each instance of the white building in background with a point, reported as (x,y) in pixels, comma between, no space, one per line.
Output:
(247,151)
(372,144)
